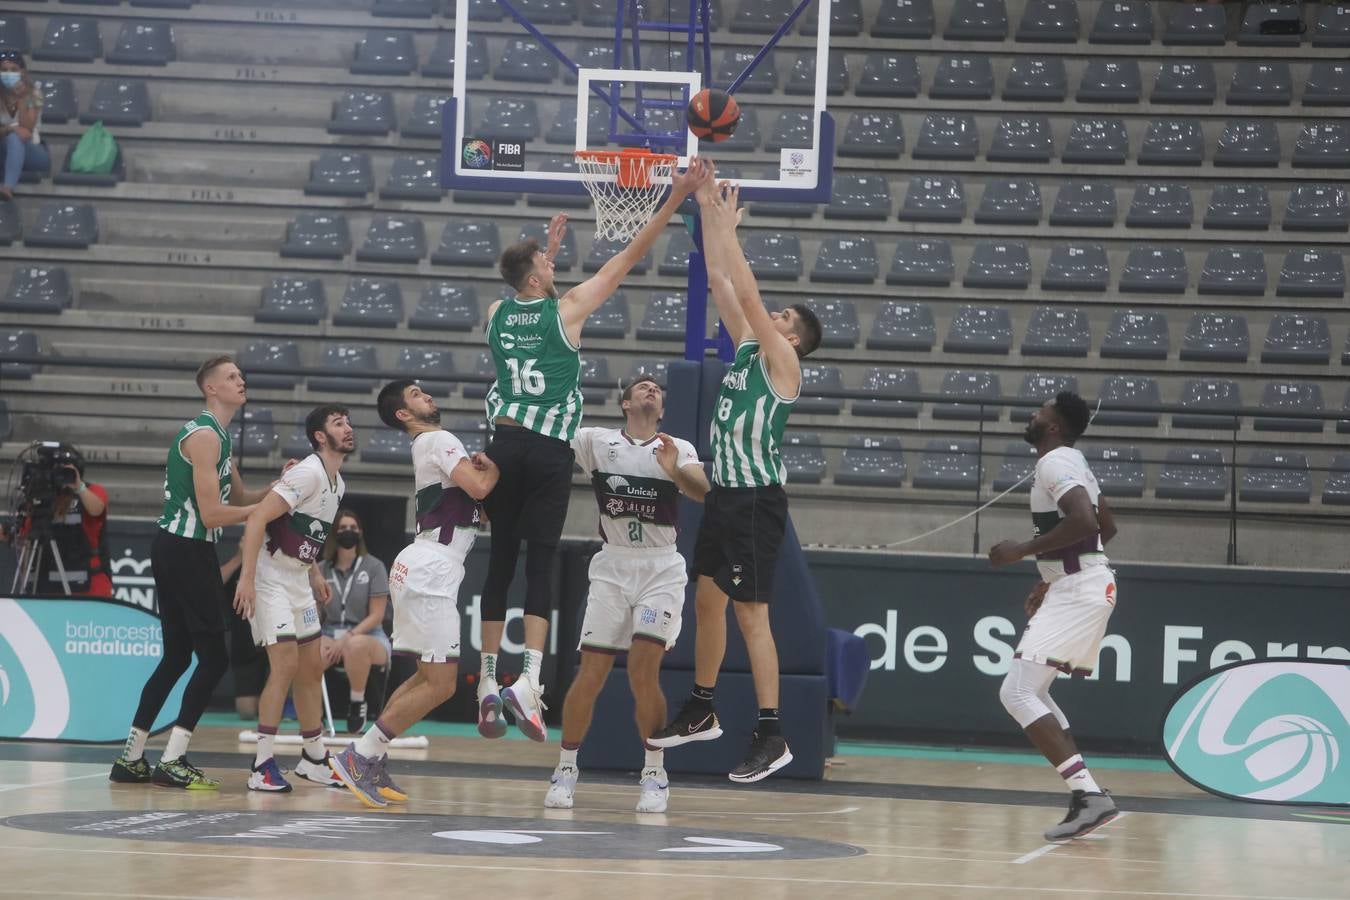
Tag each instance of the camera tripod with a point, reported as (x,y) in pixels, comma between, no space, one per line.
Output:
(28,567)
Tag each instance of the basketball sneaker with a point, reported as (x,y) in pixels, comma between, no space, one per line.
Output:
(130,771)
(561,787)
(1087,813)
(696,722)
(491,723)
(356,717)
(179,773)
(655,790)
(767,755)
(525,700)
(386,787)
(317,770)
(267,777)
(359,774)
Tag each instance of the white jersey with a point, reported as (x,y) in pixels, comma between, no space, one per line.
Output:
(1058,472)
(443,507)
(314,503)
(639,503)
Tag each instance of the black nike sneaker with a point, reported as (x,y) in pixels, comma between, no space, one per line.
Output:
(356,717)
(767,755)
(135,771)
(696,722)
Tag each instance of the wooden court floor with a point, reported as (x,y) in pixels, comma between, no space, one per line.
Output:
(877,827)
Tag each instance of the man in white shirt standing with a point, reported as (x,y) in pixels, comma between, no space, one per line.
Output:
(637,579)
(1070,607)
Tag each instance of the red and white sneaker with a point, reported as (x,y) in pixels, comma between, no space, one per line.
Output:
(525,700)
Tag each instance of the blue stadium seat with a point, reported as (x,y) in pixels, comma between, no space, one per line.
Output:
(948,465)
(1119,470)
(1097,142)
(1173,142)
(484,374)
(270,364)
(433,367)
(1328,84)
(963,78)
(1010,202)
(340,173)
(414,178)
(774,255)
(388,447)
(363,112)
(1336,491)
(802,76)
(116,102)
(1290,396)
(977,20)
(424,121)
(11,223)
(999,264)
(511,118)
(1316,207)
(934,198)
(58,100)
(18,342)
(1245,205)
(468,243)
(653,369)
(1123,22)
(1160,205)
(663,319)
(610,320)
(1134,334)
(404,9)
(1196,25)
(318,236)
(969,385)
(873,461)
(143,44)
(822,390)
(370,303)
(1056,331)
(1193,473)
(1110,81)
(70,39)
(676,259)
(980,329)
(592,55)
(62,223)
(1209,403)
(446,306)
(763,78)
(838,321)
(1216,337)
(1258,18)
(746,138)
(549,12)
(1261,83)
(1297,338)
(14,34)
(603,251)
(1155,270)
(473,433)
(1127,392)
(254,433)
(803,457)
(293,300)
(345,369)
(440,62)
(1192,81)
(1084,204)
(396,238)
(1333,26)
(794,128)
(1022,139)
(1076,267)
(846,19)
(38,289)
(846,260)
(873,134)
(1234,270)
(1048,22)
(881,387)
(888,74)
(903,325)
(1036,79)
(553,202)
(860,197)
(1276,476)
(1016,465)
(922,262)
(1249,142)
(526,60)
(946,136)
(761,16)
(1038,387)
(384,52)
(1310,272)
(906,19)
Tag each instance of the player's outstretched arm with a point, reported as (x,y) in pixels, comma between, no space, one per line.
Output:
(557,230)
(477,475)
(683,468)
(719,234)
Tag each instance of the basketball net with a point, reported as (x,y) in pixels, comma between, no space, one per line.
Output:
(626,187)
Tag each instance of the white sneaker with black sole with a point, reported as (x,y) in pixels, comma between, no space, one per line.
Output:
(317,771)
(1087,813)
(767,755)
(695,722)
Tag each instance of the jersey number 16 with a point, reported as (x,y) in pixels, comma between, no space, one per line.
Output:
(525,378)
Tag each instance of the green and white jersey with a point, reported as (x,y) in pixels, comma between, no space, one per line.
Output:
(748,423)
(181,516)
(538,368)
(314,502)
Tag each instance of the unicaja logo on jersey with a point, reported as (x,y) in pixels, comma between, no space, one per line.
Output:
(619,485)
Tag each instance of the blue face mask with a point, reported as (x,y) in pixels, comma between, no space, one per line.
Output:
(11,79)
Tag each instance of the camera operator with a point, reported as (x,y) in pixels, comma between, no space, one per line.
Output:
(59,507)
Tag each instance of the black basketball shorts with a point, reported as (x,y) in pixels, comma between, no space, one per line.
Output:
(530,499)
(187,584)
(740,538)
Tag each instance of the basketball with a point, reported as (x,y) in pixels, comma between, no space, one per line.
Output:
(713,115)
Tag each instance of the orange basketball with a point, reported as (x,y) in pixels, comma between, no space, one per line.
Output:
(713,115)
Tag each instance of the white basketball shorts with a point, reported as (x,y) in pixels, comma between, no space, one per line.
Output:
(284,609)
(424,588)
(1066,632)
(635,593)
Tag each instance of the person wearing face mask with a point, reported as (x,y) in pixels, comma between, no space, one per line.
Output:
(20,118)
(353,617)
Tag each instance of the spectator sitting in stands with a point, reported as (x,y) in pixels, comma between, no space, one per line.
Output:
(20,118)
(353,619)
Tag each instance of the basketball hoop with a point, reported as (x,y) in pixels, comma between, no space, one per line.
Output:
(626,186)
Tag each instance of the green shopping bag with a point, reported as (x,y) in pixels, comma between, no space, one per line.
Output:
(96,153)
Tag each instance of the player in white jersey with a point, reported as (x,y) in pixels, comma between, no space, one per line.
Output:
(278,583)
(637,579)
(1068,609)
(423,582)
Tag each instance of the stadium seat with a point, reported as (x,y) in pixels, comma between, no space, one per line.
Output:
(511,118)
(948,465)
(1328,84)
(1193,473)
(484,375)
(1110,81)
(1119,470)
(1316,207)
(610,320)
(802,77)
(468,243)
(363,112)
(1125,392)
(549,12)
(370,303)
(663,319)
(526,60)
(1257,18)
(969,385)
(1097,142)
(1333,26)
(872,461)
(763,79)
(1336,491)
(396,238)
(977,20)
(603,251)
(1261,83)
(1276,476)
(846,260)
(70,39)
(675,262)
(1216,337)
(1160,205)
(888,74)
(472,433)
(945,136)
(838,321)
(270,364)
(345,369)
(1185,82)
(761,16)
(254,432)
(1016,464)
(794,128)
(116,102)
(386,446)
(1123,22)
(1022,139)
(1209,403)
(963,78)
(934,198)
(860,197)
(11,223)
(384,52)
(881,388)
(1323,145)
(404,9)
(317,236)
(1133,334)
(1173,142)
(14,34)
(819,380)
(143,43)
(746,138)
(18,342)
(293,300)
(58,100)
(1233,270)
(414,178)
(803,457)
(1290,396)
(903,325)
(1055,331)
(1312,273)
(1010,202)
(1155,270)
(1048,22)
(433,367)
(340,173)
(873,134)
(999,264)
(1084,204)
(922,262)
(1250,142)
(62,223)
(774,255)
(424,121)
(1076,267)
(446,306)
(905,19)
(1297,338)
(37,289)
(1244,206)
(653,369)
(1196,25)
(1039,79)
(593,55)
(1038,387)
(552,202)
(979,329)
(440,62)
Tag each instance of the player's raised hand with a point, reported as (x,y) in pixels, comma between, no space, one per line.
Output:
(667,454)
(482,462)
(682,184)
(557,230)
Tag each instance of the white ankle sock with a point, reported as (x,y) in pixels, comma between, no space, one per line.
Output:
(265,750)
(652,758)
(374,743)
(314,749)
(567,758)
(1076,775)
(358,696)
(177,746)
(534,661)
(135,747)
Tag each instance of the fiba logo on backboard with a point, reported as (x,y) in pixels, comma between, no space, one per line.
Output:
(476,153)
